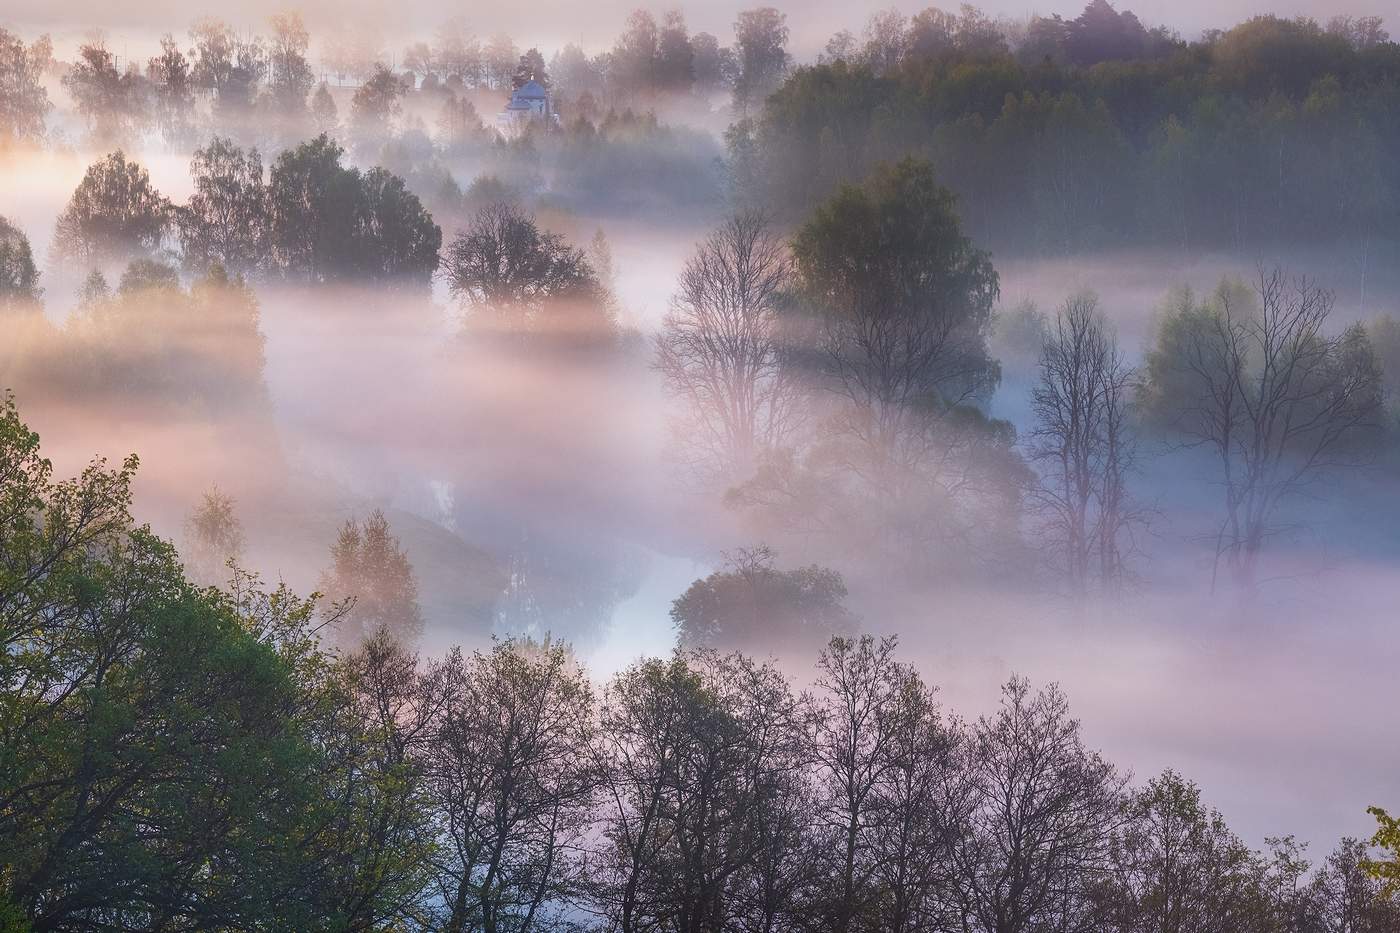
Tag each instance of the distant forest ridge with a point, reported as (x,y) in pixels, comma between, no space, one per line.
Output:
(1057,135)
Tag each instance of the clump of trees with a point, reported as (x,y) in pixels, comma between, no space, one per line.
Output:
(192,757)
(883,328)
(329,222)
(312,220)
(751,603)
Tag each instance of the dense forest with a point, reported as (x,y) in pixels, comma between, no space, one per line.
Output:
(472,387)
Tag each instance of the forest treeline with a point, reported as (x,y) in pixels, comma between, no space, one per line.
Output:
(1058,135)
(181,757)
(1073,136)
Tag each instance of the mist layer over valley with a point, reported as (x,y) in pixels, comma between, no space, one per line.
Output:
(1064,348)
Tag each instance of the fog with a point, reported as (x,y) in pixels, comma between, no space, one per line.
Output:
(537,490)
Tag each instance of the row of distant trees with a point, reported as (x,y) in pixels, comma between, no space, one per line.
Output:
(191,757)
(1078,142)
(270,78)
(311,218)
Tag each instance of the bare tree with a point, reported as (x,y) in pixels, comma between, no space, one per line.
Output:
(721,353)
(854,731)
(700,752)
(398,705)
(1275,398)
(513,783)
(924,801)
(1082,442)
(505,263)
(1044,809)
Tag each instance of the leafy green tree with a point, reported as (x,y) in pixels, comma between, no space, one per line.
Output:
(399,239)
(371,576)
(19,278)
(165,747)
(751,605)
(892,322)
(903,301)
(315,211)
(115,213)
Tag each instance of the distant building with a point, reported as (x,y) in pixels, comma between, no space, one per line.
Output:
(528,103)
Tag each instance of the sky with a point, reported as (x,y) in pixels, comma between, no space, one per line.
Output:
(552,23)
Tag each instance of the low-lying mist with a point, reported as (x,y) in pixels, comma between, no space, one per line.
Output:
(540,482)
(534,490)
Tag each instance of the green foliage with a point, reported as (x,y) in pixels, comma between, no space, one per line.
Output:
(225,221)
(169,756)
(1387,839)
(905,296)
(1098,132)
